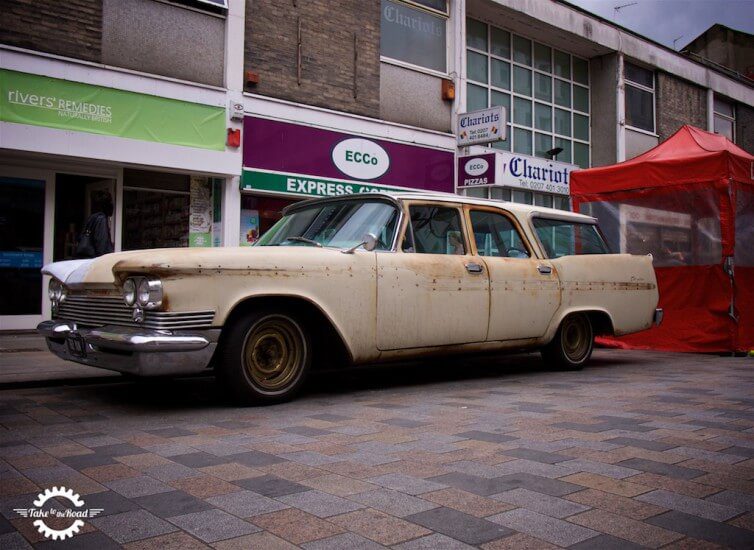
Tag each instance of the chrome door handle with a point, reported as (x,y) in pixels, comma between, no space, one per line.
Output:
(473,267)
(544,269)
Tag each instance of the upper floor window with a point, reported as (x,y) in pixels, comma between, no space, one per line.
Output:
(544,91)
(640,97)
(415,32)
(725,118)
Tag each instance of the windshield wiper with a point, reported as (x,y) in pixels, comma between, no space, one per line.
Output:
(304,240)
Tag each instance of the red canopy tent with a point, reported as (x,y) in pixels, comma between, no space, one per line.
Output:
(690,203)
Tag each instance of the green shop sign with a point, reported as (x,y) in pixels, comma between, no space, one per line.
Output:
(43,101)
(311,186)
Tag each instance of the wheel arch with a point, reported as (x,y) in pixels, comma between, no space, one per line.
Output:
(324,333)
(600,318)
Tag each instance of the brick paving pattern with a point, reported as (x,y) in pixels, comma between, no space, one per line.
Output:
(641,450)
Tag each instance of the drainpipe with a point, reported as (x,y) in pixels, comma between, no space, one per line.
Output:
(710,110)
(620,108)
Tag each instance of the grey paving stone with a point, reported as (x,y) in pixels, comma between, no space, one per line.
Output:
(706,455)
(310,458)
(474,484)
(640,443)
(130,526)
(171,504)
(601,468)
(14,541)
(605,542)
(670,470)
(245,504)
(538,502)
(170,432)
(733,499)
(253,458)
(171,472)
(214,525)
(433,542)
(85,541)
(539,484)
(199,460)
(393,502)
(407,484)
(110,502)
(553,530)
(79,462)
(404,422)
(139,486)
(169,449)
(536,456)
(328,417)
(460,526)
(689,505)
(490,437)
(579,427)
(271,486)
(746,452)
(120,449)
(320,504)
(345,541)
(306,430)
(704,529)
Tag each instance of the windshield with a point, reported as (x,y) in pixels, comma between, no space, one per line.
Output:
(340,224)
(568,238)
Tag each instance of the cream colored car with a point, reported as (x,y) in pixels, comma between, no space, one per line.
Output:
(349,280)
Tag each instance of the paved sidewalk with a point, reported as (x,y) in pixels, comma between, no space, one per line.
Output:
(24,358)
(640,450)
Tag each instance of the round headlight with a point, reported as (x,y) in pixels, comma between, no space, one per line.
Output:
(142,293)
(149,293)
(54,290)
(129,292)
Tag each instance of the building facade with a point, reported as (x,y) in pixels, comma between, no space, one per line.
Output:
(202,119)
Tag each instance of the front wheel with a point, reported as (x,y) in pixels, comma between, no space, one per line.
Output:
(573,343)
(265,357)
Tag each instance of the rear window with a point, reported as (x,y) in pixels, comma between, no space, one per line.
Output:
(568,238)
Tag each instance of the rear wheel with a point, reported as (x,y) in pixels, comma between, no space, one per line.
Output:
(265,357)
(573,343)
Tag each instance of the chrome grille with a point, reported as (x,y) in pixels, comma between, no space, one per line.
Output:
(110,310)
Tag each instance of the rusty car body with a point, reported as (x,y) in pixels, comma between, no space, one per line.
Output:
(351,280)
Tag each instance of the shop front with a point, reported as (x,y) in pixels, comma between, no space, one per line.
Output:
(514,177)
(69,149)
(284,162)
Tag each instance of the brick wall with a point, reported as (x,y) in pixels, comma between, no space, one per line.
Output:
(71,28)
(327,51)
(679,102)
(745,127)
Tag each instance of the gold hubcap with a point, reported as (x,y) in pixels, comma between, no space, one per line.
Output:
(274,353)
(576,338)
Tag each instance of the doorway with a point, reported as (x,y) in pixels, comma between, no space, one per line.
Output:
(76,198)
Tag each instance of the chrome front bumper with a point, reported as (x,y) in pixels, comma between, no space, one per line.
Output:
(132,350)
(659,314)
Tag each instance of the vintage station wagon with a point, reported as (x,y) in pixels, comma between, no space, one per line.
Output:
(350,280)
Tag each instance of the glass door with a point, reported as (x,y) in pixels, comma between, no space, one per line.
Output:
(22,213)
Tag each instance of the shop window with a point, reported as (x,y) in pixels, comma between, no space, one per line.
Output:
(545,91)
(640,97)
(725,118)
(415,32)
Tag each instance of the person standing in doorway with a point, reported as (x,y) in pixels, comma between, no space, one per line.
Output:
(95,238)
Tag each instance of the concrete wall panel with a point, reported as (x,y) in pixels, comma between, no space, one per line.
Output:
(604,77)
(638,143)
(411,97)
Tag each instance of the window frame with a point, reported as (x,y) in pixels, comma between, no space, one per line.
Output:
(412,66)
(533,99)
(644,88)
(730,118)
(408,227)
(514,223)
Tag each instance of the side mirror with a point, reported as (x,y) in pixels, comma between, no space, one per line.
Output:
(370,241)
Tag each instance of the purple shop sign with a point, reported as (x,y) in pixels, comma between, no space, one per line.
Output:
(476,170)
(296,149)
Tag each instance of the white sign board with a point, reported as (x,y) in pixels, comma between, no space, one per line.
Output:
(534,174)
(483,126)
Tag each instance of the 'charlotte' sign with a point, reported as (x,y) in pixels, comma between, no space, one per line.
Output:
(483,126)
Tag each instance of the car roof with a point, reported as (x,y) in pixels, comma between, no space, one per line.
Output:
(522,210)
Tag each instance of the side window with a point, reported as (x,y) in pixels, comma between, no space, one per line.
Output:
(496,235)
(436,230)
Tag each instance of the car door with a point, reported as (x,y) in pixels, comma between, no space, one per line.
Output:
(524,290)
(433,291)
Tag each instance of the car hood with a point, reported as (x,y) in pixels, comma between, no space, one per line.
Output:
(169,262)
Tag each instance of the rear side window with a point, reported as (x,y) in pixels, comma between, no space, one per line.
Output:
(495,235)
(568,238)
(435,230)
